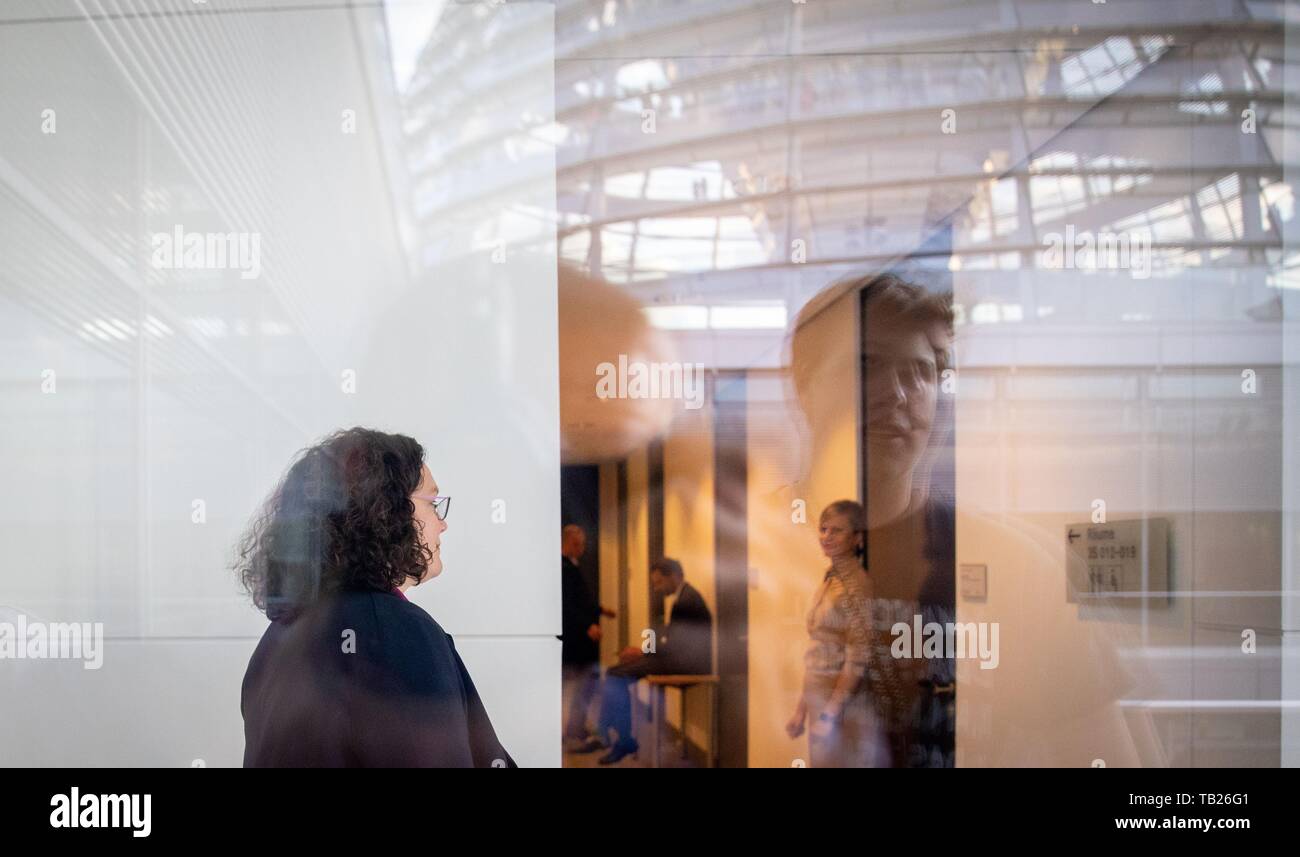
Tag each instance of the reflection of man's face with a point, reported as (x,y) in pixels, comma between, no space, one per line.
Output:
(575,544)
(662,584)
(900,380)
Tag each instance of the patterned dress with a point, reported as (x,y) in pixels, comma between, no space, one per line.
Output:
(841,637)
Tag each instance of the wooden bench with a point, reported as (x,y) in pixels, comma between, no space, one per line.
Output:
(683,683)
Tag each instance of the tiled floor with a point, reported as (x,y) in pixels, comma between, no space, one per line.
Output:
(592,760)
(670,751)
(670,755)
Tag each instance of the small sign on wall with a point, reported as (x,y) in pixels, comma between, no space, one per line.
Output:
(1119,562)
(975,582)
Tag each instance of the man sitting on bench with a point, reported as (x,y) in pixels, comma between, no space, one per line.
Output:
(682,645)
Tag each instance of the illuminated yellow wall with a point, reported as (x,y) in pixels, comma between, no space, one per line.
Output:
(638,562)
(609,642)
(688,535)
(797,466)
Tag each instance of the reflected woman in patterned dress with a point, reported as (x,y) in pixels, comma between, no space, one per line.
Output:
(844,729)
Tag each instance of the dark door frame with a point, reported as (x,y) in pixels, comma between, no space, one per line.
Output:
(731,564)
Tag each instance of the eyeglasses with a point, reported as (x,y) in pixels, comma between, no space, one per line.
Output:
(441,505)
(913,374)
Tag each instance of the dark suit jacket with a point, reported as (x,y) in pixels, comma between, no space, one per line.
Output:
(363,679)
(688,640)
(579,612)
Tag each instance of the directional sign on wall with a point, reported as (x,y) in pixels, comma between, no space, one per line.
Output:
(1122,562)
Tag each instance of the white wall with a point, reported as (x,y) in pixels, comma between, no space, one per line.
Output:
(1290,578)
(176,386)
(1154,421)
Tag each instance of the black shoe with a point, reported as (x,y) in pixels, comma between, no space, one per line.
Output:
(591,745)
(616,754)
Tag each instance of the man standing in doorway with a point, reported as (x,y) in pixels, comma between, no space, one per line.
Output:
(580,651)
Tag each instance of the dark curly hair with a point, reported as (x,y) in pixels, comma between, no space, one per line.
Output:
(341,518)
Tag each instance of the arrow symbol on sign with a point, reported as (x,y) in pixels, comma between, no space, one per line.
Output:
(1072,535)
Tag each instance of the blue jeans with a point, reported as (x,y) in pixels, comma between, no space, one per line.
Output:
(581,681)
(616,707)
(616,698)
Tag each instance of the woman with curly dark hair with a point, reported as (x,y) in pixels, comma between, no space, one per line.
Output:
(350,673)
